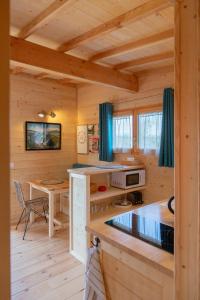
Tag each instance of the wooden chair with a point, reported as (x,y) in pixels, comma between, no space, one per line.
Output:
(29,206)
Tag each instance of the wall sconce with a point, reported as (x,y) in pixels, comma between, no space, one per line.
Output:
(43,114)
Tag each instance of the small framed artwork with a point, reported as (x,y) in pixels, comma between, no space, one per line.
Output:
(82,139)
(42,136)
(91,129)
(93,138)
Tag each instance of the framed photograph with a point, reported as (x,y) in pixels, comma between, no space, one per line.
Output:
(82,139)
(42,136)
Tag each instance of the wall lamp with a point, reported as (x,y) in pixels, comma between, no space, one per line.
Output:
(43,114)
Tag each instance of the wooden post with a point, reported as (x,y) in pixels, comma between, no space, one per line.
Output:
(4,154)
(187,148)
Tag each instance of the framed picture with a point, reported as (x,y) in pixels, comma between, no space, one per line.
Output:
(82,139)
(93,138)
(42,136)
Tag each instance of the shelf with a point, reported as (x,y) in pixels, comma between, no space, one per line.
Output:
(113,192)
(111,212)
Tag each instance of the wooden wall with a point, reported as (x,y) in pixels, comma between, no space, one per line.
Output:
(28,96)
(151,83)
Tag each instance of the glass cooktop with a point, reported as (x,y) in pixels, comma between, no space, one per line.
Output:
(146,229)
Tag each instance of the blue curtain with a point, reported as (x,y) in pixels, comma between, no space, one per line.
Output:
(105,132)
(166,157)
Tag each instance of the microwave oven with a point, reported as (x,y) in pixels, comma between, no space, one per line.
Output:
(128,179)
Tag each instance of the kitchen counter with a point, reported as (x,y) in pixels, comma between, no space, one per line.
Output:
(132,268)
(105,169)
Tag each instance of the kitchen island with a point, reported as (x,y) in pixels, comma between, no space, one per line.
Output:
(134,269)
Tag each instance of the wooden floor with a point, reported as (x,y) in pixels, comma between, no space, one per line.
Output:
(43,268)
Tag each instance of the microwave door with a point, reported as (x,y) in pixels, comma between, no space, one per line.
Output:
(132,179)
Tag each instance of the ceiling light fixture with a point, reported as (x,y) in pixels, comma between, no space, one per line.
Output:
(43,114)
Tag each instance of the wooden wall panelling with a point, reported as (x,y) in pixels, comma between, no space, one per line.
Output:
(160,181)
(39,56)
(187,150)
(29,96)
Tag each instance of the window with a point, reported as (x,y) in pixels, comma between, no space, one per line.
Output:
(149,130)
(122,133)
(137,130)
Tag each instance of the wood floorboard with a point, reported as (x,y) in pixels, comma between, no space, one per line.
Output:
(42,268)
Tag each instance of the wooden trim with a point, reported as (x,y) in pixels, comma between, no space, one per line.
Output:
(135,45)
(123,112)
(44,17)
(132,15)
(151,107)
(135,112)
(144,60)
(187,150)
(32,54)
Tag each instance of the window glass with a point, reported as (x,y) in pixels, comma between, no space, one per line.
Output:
(149,130)
(122,133)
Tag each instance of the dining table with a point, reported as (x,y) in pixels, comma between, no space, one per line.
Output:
(52,188)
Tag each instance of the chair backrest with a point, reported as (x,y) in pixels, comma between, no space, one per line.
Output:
(19,192)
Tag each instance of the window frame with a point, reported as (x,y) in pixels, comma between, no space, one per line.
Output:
(135,113)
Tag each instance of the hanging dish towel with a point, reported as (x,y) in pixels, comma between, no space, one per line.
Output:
(94,283)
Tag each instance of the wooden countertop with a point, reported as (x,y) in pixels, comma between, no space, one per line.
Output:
(152,255)
(101,170)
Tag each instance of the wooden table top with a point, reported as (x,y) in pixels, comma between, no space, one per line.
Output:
(50,187)
(156,257)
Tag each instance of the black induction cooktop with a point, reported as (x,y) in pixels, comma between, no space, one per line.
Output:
(146,229)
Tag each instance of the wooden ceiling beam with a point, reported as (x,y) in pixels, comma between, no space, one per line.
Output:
(44,17)
(17,70)
(144,60)
(132,15)
(135,45)
(36,55)
(41,75)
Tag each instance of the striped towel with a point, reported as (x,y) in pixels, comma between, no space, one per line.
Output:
(94,289)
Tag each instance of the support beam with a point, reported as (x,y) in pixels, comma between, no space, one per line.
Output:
(44,17)
(135,45)
(187,150)
(132,15)
(32,54)
(17,70)
(144,60)
(41,75)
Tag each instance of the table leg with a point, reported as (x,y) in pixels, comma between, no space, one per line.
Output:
(32,216)
(51,214)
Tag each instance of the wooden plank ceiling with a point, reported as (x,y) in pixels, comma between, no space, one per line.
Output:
(105,42)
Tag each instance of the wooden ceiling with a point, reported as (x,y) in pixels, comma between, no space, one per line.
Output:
(101,41)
